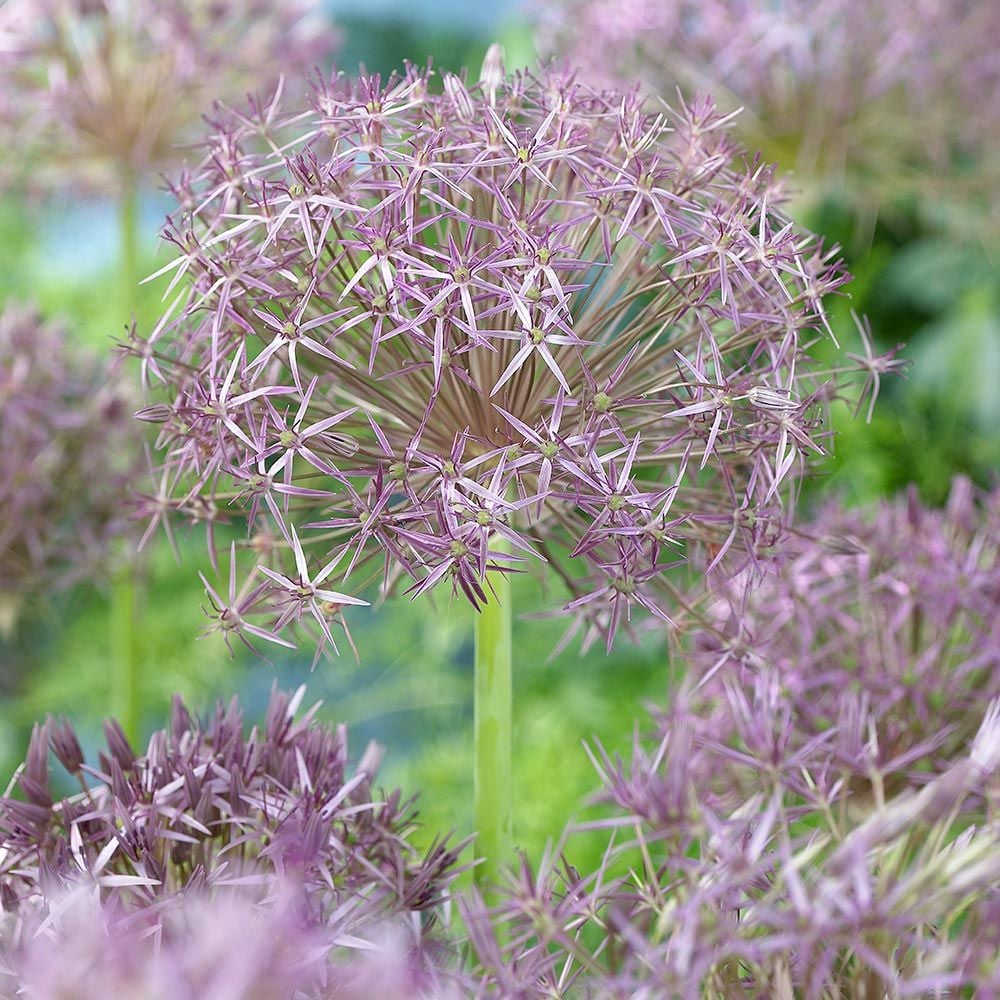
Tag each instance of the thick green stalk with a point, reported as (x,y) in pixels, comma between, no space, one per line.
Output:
(493,735)
(124,674)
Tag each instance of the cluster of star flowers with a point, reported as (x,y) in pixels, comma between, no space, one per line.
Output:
(891,94)
(99,87)
(164,861)
(68,450)
(229,948)
(748,863)
(882,619)
(430,336)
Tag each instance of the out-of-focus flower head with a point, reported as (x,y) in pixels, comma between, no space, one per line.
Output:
(212,807)
(893,94)
(226,948)
(102,88)
(817,814)
(755,869)
(69,448)
(880,629)
(429,336)
(238,946)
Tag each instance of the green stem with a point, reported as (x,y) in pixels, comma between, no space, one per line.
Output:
(125,699)
(493,735)
(124,675)
(128,236)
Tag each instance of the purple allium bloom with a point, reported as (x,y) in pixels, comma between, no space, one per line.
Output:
(213,806)
(223,948)
(828,87)
(104,87)
(818,814)
(227,947)
(426,336)
(68,450)
(879,627)
(743,868)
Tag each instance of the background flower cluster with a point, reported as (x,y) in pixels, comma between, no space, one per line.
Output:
(96,90)
(69,449)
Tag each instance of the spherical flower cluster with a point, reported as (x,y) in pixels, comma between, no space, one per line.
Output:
(496,327)
(221,948)
(210,807)
(68,450)
(755,869)
(880,624)
(228,948)
(221,863)
(892,93)
(105,87)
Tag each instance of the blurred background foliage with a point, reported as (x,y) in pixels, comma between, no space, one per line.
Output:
(410,689)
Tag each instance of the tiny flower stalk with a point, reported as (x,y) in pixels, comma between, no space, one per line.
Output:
(125,678)
(128,239)
(493,740)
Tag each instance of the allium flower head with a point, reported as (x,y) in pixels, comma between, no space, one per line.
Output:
(106,86)
(213,806)
(224,948)
(68,450)
(891,93)
(880,628)
(816,816)
(227,947)
(495,327)
(755,869)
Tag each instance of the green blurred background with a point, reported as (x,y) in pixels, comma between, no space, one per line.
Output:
(411,689)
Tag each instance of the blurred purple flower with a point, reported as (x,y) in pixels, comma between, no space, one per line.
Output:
(894,94)
(514,325)
(221,863)
(224,948)
(68,451)
(880,627)
(102,88)
(747,868)
(227,948)
(817,816)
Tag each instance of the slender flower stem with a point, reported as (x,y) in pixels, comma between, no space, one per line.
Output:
(124,677)
(128,236)
(124,659)
(493,732)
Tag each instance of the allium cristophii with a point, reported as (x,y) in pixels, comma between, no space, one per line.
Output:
(752,867)
(241,946)
(69,449)
(223,948)
(102,87)
(884,621)
(891,94)
(500,326)
(212,806)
